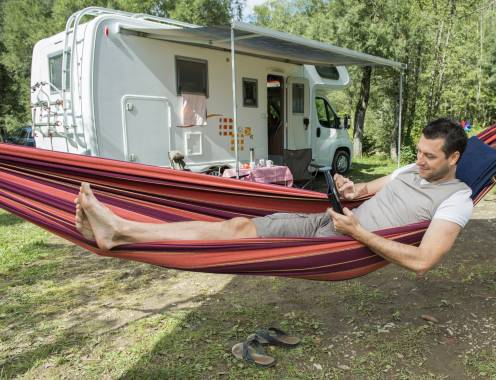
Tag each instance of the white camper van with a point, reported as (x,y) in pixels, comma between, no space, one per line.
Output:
(135,87)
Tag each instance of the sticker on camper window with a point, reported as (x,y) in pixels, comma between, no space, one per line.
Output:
(247,131)
(226,128)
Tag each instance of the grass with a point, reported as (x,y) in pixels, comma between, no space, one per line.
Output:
(52,327)
(368,168)
(363,169)
(359,298)
(65,313)
(483,363)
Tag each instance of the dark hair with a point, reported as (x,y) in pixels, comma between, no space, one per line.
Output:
(455,138)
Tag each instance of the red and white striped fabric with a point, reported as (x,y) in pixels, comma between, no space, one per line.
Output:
(40,186)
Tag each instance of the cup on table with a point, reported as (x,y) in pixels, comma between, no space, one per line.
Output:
(261,162)
(270,163)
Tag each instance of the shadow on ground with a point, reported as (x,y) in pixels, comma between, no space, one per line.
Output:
(118,319)
(362,328)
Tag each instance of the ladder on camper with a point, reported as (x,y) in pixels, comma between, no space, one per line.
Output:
(70,58)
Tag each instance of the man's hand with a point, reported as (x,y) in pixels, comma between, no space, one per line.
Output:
(345,224)
(345,187)
(436,242)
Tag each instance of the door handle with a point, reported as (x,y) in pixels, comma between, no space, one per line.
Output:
(306,122)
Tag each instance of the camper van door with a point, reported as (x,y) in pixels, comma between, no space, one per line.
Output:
(298,111)
(146,126)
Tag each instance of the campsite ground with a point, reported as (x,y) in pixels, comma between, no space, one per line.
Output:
(66,313)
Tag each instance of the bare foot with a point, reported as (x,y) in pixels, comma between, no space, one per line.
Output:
(82,222)
(103,222)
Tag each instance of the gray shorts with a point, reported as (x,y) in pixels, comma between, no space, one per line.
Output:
(295,225)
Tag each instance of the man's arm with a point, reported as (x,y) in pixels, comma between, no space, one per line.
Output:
(349,190)
(437,241)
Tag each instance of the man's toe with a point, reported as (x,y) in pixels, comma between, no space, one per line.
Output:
(85,188)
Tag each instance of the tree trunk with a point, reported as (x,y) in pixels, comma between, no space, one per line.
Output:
(442,68)
(360,110)
(434,73)
(437,80)
(411,98)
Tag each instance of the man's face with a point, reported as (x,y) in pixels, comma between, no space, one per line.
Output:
(432,162)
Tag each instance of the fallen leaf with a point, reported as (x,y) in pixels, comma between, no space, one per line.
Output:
(429,318)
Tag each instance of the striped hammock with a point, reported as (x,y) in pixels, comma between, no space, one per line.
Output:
(40,186)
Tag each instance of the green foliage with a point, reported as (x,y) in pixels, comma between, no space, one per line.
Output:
(23,23)
(488,90)
(439,41)
(448,73)
(202,12)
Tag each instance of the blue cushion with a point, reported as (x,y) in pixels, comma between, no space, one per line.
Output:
(477,165)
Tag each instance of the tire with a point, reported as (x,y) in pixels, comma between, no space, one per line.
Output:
(341,162)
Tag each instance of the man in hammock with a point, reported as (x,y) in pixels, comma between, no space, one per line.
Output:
(424,191)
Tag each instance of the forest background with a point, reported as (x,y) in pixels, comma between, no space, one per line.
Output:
(448,45)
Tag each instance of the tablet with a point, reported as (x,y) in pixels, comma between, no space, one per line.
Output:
(332,193)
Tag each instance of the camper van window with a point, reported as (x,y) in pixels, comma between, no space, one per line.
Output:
(328,72)
(250,92)
(55,71)
(191,76)
(298,98)
(326,115)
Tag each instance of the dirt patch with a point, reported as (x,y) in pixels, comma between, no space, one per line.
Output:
(105,318)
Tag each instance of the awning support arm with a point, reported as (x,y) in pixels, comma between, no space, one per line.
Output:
(240,38)
(400,107)
(234,102)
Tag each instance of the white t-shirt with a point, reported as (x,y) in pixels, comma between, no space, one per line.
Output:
(457,208)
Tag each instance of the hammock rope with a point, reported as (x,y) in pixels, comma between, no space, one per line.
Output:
(40,186)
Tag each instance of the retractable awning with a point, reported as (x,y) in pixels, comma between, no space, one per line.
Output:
(248,39)
(262,42)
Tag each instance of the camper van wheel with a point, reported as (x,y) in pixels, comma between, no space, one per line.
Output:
(341,162)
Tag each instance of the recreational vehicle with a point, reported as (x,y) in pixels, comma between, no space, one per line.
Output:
(136,87)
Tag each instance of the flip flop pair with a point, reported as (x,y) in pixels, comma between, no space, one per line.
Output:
(276,337)
(253,351)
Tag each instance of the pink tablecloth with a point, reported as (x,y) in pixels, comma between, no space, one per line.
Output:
(275,174)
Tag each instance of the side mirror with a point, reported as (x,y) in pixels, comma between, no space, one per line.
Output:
(318,132)
(346,121)
(337,122)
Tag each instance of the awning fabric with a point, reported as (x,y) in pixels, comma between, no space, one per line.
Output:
(266,43)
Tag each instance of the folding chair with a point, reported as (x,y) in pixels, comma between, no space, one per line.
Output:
(298,161)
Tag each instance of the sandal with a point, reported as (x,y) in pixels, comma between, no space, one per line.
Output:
(276,337)
(252,351)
